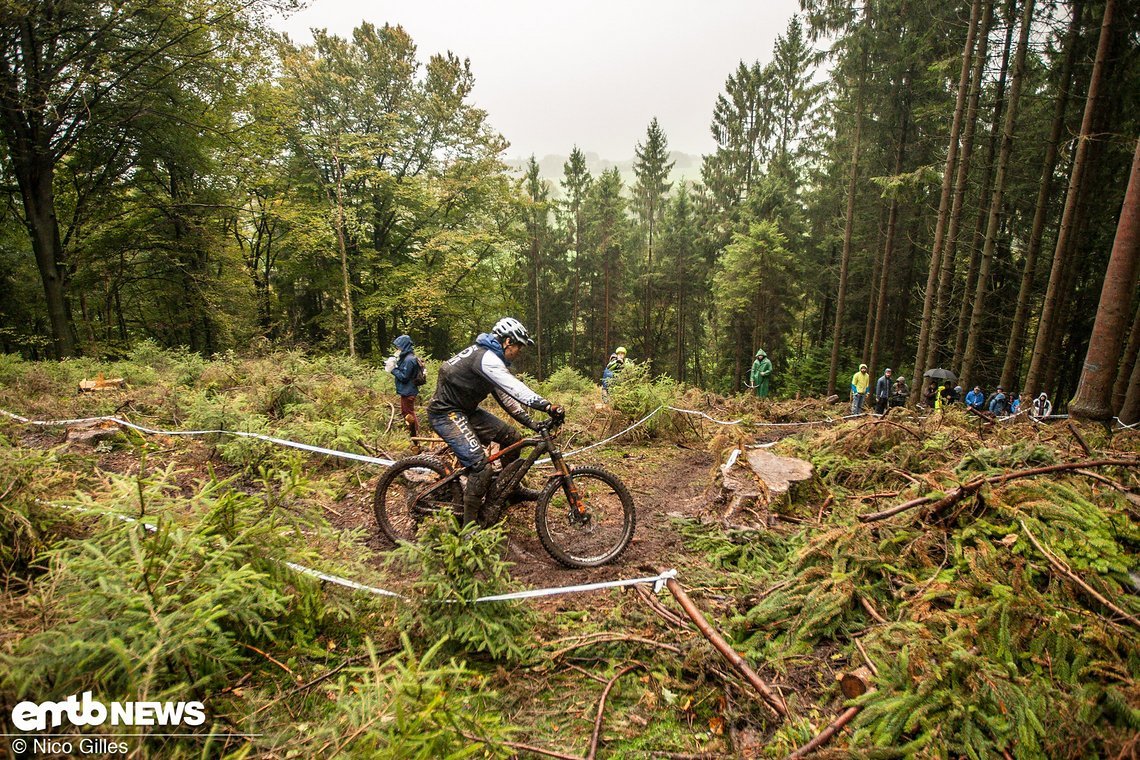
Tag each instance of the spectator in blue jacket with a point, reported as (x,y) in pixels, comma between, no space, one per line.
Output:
(405,369)
(975,399)
(998,403)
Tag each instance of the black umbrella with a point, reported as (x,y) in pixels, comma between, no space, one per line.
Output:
(940,374)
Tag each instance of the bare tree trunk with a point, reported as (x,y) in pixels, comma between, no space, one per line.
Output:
(938,326)
(1120,388)
(920,358)
(1093,400)
(35,183)
(1048,313)
(1130,412)
(534,254)
(892,226)
(340,239)
(872,296)
(1070,276)
(974,334)
(910,273)
(848,227)
(1048,165)
(577,289)
(986,186)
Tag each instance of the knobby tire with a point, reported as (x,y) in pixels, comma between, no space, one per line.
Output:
(398,511)
(612,519)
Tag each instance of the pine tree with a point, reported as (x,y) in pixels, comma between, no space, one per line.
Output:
(576,183)
(651,168)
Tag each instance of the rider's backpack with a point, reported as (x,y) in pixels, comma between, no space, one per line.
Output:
(421,372)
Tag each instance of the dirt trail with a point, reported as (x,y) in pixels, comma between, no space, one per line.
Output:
(663,481)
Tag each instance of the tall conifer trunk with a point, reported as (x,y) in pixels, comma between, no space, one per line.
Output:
(920,358)
(970,285)
(973,336)
(1044,190)
(1046,324)
(1127,363)
(892,226)
(938,326)
(1093,399)
(849,217)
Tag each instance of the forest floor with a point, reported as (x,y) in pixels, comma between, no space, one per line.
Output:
(997,621)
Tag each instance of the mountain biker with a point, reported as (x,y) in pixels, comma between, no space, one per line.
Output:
(464,381)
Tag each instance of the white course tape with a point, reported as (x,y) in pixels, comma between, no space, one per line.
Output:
(342,581)
(658,580)
(710,419)
(642,421)
(238,433)
(1124,426)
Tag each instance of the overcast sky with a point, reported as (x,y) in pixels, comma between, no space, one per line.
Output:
(590,73)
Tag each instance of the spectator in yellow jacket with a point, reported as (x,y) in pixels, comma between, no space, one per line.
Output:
(860,384)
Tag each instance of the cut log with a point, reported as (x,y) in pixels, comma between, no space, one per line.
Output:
(856,683)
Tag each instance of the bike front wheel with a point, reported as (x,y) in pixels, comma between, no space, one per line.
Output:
(409,491)
(596,537)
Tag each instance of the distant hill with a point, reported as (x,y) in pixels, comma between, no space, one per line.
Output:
(686,166)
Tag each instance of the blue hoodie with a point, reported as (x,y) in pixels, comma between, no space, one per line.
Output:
(491,342)
(406,367)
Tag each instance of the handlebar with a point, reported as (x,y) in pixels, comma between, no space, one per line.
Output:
(548,426)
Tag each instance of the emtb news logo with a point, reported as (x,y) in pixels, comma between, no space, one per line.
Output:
(84,711)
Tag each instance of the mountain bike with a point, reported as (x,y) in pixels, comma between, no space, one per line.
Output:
(584,516)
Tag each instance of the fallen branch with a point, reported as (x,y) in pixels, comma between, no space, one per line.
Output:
(269,657)
(866,659)
(885,421)
(826,734)
(602,708)
(323,677)
(880,495)
(773,701)
(968,489)
(823,507)
(600,638)
(1107,481)
(522,747)
(1065,571)
(1080,439)
(874,613)
(661,610)
(907,475)
(853,684)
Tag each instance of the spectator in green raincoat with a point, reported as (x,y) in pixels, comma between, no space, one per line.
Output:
(761,372)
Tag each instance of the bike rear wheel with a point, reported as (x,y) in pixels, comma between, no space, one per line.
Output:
(402,502)
(602,534)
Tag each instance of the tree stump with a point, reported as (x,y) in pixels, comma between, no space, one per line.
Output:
(93,433)
(751,481)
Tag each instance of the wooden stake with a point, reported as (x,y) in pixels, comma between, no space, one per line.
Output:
(772,700)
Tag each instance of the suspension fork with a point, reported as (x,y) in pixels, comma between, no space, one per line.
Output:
(560,466)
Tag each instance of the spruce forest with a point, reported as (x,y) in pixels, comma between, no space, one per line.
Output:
(214,233)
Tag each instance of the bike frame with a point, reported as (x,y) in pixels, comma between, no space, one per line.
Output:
(542,443)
